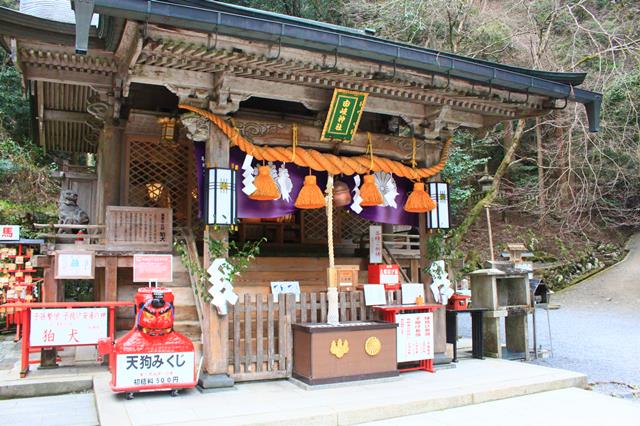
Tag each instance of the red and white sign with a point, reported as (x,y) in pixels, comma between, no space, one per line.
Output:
(389,275)
(375,244)
(9,232)
(173,369)
(67,327)
(415,336)
(152,267)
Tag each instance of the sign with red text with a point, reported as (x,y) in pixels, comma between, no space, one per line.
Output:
(68,327)
(155,369)
(415,336)
(9,232)
(152,267)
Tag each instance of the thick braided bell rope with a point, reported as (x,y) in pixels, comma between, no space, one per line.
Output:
(329,207)
(319,161)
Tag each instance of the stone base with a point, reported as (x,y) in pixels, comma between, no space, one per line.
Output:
(214,383)
(441,358)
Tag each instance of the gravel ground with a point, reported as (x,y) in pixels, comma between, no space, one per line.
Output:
(596,331)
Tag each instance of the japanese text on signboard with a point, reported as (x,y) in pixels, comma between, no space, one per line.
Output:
(67,327)
(344,115)
(170,368)
(415,336)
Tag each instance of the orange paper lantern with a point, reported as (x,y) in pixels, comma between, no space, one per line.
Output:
(419,200)
(266,188)
(369,192)
(310,196)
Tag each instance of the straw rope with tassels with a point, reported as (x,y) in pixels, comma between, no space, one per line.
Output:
(319,161)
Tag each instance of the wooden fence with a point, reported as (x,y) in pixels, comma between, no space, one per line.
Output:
(260,336)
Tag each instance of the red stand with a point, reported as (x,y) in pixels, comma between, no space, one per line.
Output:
(389,314)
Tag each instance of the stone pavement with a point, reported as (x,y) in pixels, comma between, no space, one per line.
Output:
(566,407)
(282,402)
(59,410)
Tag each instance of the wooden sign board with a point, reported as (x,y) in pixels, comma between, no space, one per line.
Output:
(344,115)
(152,267)
(375,244)
(75,265)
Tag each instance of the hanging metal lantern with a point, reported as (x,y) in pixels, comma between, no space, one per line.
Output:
(222,202)
(341,194)
(168,131)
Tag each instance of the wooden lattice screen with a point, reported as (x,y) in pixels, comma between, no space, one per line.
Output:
(161,175)
(347,226)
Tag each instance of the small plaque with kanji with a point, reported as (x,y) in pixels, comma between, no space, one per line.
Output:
(344,115)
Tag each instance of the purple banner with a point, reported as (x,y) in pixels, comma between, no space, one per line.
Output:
(248,208)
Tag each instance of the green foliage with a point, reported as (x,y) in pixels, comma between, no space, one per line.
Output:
(27,192)
(14,108)
(460,171)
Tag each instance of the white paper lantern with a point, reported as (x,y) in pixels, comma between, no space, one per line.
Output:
(439,218)
(222,202)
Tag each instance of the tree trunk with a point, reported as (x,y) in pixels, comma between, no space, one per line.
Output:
(490,196)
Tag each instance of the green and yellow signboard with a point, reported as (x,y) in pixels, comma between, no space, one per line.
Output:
(344,115)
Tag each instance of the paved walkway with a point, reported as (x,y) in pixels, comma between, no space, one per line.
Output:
(566,407)
(282,402)
(59,410)
(597,329)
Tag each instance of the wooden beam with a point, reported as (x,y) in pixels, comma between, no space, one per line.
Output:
(40,97)
(68,116)
(279,133)
(95,80)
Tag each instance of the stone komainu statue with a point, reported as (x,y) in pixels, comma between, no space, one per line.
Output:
(69,212)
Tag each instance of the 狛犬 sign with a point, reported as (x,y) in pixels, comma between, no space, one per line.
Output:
(152,267)
(67,327)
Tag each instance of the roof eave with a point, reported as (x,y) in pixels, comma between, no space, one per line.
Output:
(327,40)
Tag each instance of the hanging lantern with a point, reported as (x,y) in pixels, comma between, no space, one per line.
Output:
(266,188)
(310,196)
(419,201)
(369,192)
(168,131)
(221,203)
(341,194)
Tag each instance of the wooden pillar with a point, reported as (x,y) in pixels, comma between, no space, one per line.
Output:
(111,279)
(50,284)
(215,328)
(109,168)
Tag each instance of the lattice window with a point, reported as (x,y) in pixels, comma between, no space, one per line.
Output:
(159,176)
(315,225)
(352,226)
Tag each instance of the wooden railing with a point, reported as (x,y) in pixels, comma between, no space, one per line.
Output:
(260,336)
(399,245)
(128,229)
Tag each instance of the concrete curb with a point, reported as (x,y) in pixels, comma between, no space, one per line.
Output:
(26,388)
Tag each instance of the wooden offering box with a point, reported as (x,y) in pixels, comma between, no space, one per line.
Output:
(324,353)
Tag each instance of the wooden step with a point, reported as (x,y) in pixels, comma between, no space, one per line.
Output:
(191,329)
